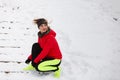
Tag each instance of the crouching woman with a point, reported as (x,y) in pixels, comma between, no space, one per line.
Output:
(45,54)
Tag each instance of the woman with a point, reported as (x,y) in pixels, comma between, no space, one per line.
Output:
(45,55)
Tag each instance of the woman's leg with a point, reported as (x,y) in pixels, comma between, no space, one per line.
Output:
(49,65)
(36,49)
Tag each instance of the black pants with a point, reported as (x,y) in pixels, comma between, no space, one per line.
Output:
(36,49)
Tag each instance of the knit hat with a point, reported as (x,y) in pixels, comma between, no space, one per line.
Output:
(40,21)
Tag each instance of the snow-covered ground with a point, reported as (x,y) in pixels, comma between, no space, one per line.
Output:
(88,32)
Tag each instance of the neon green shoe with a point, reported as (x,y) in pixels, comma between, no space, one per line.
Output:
(29,67)
(57,73)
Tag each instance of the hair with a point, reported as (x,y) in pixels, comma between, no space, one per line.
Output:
(40,21)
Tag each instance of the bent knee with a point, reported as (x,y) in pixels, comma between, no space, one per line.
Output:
(40,67)
(35,44)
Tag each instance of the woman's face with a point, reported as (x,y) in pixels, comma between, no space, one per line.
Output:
(43,28)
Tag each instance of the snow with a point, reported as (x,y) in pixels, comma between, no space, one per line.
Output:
(88,32)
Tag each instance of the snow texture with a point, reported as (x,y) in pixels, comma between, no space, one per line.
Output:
(88,32)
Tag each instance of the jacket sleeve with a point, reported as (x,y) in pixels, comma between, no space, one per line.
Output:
(48,45)
(30,57)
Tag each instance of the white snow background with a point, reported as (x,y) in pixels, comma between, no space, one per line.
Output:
(88,32)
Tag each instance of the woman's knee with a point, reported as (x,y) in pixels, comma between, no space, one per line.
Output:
(40,67)
(36,45)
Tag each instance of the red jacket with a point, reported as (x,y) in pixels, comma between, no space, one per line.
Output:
(50,47)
